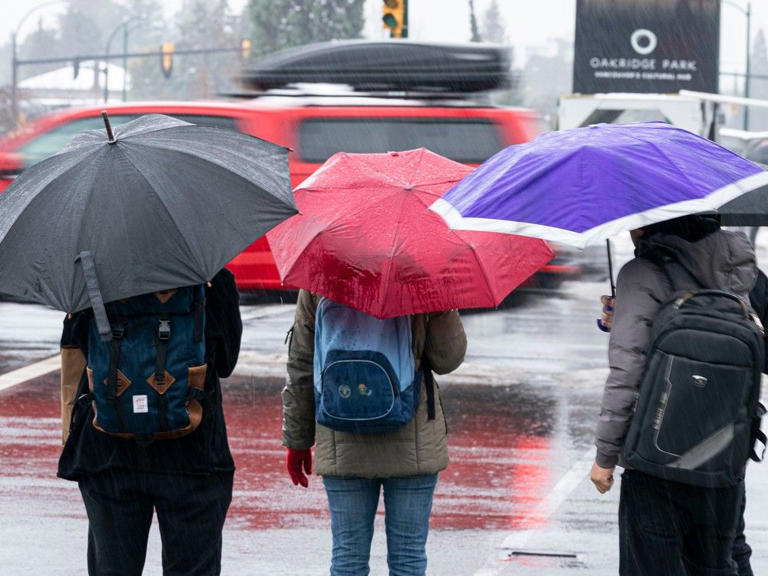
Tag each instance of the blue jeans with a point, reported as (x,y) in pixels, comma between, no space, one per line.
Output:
(407,505)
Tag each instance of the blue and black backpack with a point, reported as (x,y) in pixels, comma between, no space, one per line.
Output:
(364,371)
(148,381)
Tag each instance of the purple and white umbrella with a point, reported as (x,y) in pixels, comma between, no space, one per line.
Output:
(581,186)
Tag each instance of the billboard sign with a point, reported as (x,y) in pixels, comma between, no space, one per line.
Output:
(646,46)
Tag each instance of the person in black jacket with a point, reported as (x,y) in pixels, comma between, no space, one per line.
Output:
(186,481)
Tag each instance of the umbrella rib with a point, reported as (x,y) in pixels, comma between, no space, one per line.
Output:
(452,180)
(436,196)
(315,187)
(87,202)
(671,161)
(30,200)
(395,236)
(191,253)
(296,249)
(415,168)
(480,264)
(260,185)
(352,207)
(416,188)
(86,156)
(374,168)
(273,176)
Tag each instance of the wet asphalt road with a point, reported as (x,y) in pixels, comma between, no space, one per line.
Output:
(516,498)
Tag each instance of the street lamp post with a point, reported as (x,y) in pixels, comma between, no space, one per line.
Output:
(125,58)
(749,68)
(14,81)
(15,59)
(124,26)
(126,29)
(748,14)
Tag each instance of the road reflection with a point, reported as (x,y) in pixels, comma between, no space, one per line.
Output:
(500,441)
(499,438)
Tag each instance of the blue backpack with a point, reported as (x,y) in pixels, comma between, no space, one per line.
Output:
(364,370)
(147,382)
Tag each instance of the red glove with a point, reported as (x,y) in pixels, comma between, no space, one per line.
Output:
(295,460)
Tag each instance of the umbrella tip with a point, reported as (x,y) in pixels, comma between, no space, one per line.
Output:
(108,126)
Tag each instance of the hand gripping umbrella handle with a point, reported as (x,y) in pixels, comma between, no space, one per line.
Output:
(600,324)
(94,295)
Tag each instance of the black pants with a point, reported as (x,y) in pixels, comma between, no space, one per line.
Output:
(190,514)
(676,529)
(741,550)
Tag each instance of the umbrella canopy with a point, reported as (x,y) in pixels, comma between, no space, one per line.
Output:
(164,204)
(366,238)
(584,185)
(750,209)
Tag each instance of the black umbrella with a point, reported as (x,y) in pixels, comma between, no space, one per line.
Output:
(751,209)
(163,203)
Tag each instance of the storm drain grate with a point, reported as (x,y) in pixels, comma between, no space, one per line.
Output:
(541,554)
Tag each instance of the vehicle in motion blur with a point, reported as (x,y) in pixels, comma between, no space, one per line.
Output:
(355,96)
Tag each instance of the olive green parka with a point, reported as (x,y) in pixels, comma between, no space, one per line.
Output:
(417,448)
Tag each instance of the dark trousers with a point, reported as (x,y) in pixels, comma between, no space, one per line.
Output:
(676,529)
(190,514)
(741,550)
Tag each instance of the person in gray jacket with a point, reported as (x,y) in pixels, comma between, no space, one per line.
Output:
(666,527)
(356,467)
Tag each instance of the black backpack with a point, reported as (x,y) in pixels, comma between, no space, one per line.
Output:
(698,410)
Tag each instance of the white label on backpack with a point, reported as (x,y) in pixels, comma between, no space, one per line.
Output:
(140,405)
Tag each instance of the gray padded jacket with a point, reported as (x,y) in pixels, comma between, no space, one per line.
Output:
(722,260)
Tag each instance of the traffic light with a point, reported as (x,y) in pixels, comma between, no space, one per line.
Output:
(245,48)
(394,16)
(166,58)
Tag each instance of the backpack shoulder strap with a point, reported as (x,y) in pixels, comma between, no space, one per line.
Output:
(425,367)
(198,309)
(429,381)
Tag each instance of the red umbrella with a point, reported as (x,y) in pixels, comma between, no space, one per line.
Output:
(365,237)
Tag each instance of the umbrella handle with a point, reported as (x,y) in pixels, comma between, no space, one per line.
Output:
(600,324)
(610,268)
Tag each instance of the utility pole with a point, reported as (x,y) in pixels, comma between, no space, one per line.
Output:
(749,62)
(125,58)
(748,14)
(14,81)
(124,26)
(473,23)
(15,60)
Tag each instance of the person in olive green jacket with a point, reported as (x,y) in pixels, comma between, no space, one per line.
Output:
(356,466)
